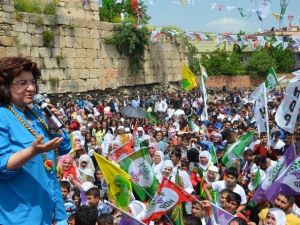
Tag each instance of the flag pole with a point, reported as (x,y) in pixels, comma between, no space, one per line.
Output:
(116,207)
(204,97)
(267,115)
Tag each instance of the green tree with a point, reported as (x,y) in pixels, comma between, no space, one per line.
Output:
(285,59)
(193,60)
(260,62)
(215,62)
(110,12)
(131,41)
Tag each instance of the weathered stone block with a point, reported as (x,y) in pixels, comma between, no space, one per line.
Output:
(69,42)
(79,63)
(89,63)
(24,39)
(8,8)
(21,27)
(34,52)
(24,51)
(68,52)
(7,41)
(3,51)
(92,53)
(11,51)
(37,40)
(81,53)
(44,52)
(50,63)
(78,42)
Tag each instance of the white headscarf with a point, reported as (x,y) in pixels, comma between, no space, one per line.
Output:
(165,164)
(215,170)
(279,215)
(90,166)
(157,167)
(205,154)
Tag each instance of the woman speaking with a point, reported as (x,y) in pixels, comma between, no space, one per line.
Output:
(30,145)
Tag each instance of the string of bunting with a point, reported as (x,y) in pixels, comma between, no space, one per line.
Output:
(251,41)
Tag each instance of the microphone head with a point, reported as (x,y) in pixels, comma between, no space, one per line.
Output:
(38,99)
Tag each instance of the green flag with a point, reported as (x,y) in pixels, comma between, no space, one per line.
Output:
(152,119)
(213,155)
(236,149)
(138,166)
(256,181)
(188,79)
(271,80)
(241,11)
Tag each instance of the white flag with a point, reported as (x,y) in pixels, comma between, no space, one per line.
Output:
(260,110)
(288,110)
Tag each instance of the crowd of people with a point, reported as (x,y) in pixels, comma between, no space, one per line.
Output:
(180,138)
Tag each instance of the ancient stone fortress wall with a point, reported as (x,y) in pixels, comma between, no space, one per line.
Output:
(78,59)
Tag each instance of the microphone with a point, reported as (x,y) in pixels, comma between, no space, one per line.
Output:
(41,102)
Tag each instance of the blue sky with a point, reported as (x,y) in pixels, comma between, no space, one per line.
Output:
(202,18)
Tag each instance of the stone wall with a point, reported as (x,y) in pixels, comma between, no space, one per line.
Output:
(79,60)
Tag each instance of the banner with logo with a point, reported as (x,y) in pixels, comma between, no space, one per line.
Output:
(138,166)
(167,196)
(288,110)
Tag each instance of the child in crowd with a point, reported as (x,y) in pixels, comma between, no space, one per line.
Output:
(70,206)
(94,200)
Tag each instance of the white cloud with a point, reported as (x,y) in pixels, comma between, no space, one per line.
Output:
(226,25)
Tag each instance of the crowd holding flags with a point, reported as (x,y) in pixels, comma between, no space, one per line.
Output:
(132,169)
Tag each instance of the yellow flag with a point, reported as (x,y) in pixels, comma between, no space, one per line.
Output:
(277,16)
(188,79)
(118,181)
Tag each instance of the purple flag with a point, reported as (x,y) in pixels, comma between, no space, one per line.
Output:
(288,182)
(126,220)
(220,215)
(273,173)
(82,196)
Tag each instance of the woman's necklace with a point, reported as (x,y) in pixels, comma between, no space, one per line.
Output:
(47,162)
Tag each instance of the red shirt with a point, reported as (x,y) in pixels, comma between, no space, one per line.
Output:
(263,150)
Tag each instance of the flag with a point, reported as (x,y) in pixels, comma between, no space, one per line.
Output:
(257,179)
(138,166)
(118,181)
(126,220)
(287,112)
(134,5)
(241,11)
(204,77)
(264,8)
(283,6)
(203,73)
(287,183)
(219,216)
(213,155)
(236,149)
(273,172)
(122,152)
(271,80)
(152,119)
(276,16)
(188,79)
(176,214)
(167,196)
(260,111)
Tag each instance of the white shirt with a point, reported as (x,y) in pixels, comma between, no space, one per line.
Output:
(221,185)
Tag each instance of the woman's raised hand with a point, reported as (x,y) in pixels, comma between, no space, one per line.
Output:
(39,146)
